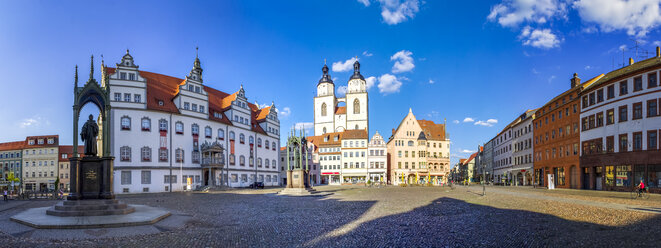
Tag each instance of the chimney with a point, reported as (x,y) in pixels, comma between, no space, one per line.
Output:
(393,131)
(630,61)
(658,52)
(575,80)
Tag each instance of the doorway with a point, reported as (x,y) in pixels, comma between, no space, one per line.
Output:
(573,180)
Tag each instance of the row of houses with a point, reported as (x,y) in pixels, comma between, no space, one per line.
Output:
(601,134)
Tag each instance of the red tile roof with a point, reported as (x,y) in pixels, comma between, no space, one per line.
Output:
(355,134)
(162,88)
(432,130)
(45,138)
(69,151)
(16,145)
(340,110)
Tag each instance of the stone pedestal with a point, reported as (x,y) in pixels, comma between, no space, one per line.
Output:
(90,208)
(298,184)
(91,178)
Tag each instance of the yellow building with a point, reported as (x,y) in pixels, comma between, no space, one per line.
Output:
(419,152)
(40,162)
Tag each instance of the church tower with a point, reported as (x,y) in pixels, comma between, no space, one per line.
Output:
(357,101)
(324,104)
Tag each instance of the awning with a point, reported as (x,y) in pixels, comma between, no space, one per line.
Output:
(330,173)
(354,174)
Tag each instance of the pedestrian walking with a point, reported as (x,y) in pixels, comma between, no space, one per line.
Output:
(5,195)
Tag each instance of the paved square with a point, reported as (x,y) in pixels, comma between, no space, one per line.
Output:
(376,217)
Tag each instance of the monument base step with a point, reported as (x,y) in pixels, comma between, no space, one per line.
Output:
(90,208)
(300,192)
(141,215)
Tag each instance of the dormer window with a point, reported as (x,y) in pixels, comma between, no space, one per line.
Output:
(197,89)
(51,141)
(132,76)
(122,75)
(186,106)
(40,141)
(194,107)
(191,87)
(30,142)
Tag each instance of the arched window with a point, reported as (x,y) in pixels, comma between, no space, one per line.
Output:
(146,124)
(273,146)
(163,125)
(251,140)
(267,163)
(207,132)
(242,160)
(179,127)
(259,142)
(410,143)
(231,135)
(145,154)
(179,155)
(356,107)
(242,139)
(324,130)
(126,123)
(266,144)
(259,162)
(323,109)
(195,129)
(356,127)
(221,134)
(125,153)
(232,159)
(273,163)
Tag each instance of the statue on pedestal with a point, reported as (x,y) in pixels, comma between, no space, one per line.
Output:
(88,135)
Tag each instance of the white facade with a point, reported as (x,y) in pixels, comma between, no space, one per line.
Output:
(329,116)
(522,150)
(377,159)
(502,156)
(354,160)
(40,163)
(156,141)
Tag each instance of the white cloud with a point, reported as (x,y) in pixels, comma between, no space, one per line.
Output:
(431,81)
(367,54)
(396,11)
(35,121)
(370,82)
(389,84)
(467,151)
(539,38)
(433,113)
(286,111)
(622,47)
(342,90)
(455,121)
(403,61)
(468,119)
(344,66)
(657,43)
(587,67)
(551,78)
(492,121)
(511,13)
(307,126)
(534,71)
(637,17)
(365,2)
(487,123)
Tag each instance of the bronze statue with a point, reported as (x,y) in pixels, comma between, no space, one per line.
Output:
(88,135)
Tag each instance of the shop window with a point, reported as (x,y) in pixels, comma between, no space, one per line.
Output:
(654,176)
(623,176)
(610,175)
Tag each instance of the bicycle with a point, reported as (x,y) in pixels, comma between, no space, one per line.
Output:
(645,194)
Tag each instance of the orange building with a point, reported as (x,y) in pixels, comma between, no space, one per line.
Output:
(557,138)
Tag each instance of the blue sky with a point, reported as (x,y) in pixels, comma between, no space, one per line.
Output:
(478,64)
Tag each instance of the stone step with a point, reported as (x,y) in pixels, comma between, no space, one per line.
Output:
(89,202)
(54,212)
(90,207)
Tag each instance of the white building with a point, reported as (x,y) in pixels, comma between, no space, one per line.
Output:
(502,155)
(330,157)
(40,162)
(620,128)
(522,149)
(354,157)
(377,159)
(161,122)
(331,113)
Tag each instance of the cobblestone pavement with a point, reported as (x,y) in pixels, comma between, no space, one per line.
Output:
(386,217)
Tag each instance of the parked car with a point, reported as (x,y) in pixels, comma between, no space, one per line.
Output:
(257,185)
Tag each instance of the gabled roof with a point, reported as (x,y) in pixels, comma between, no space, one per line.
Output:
(432,130)
(69,151)
(626,71)
(320,140)
(340,110)
(45,144)
(355,134)
(15,145)
(165,88)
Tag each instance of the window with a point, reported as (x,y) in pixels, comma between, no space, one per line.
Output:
(623,113)
(195,130)
(126,123)
(652,109)
(651,80)
(266,144)
(611,91)
(259,142)
(600,119)
(242,138)
(118,97)
(610,116)
(145,154)
(221,134)
(122,75)
(242,160)
(637,141)
(637,111)
(201,108)
(145,177)
(194,108)
(623,88)
(591,98)
(232,159)
(163,125)
(356,107)
(179,155)
(273,146)
(652,140)
(623,143)
(623,176)
(196,157)
(638,84)
(126,177)
(207,132)
(610,144)
(127,97)
(162,154)
(251,140)
(600,95)
(131,76)
(179,127)
(125,153)
(146,124)
(136,98)
(186,106)
(231,135)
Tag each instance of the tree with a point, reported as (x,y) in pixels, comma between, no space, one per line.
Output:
(12,179)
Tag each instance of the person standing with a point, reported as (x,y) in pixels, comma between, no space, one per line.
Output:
(5,195)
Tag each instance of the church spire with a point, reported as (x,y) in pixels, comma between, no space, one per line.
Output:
(75,77)
(92,67)
(326,78)
(196,72)
(356,71)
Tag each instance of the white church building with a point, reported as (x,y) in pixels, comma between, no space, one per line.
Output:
(173,134)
